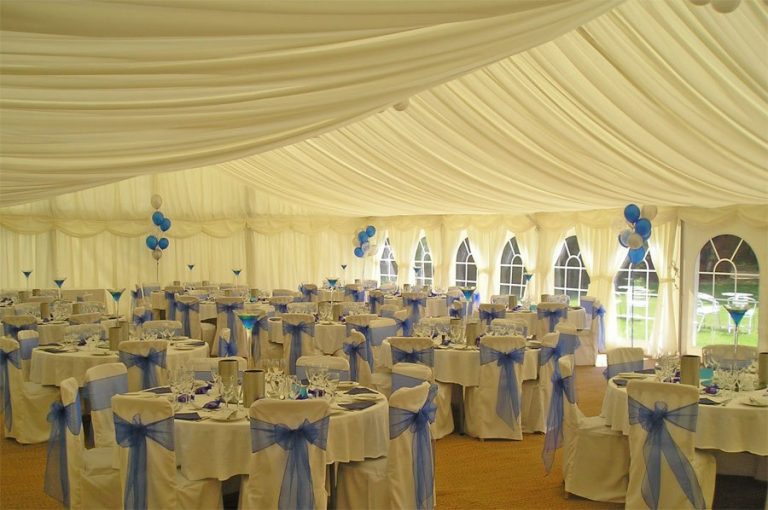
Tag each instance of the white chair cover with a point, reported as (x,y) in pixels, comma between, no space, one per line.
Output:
(363,485)
(188,314)
(410,468)
(595,458)
(586,352)
(224,345)
(266,330)
(408,375)
(28,340)
(227,309)
(85,318)
(490,312)
(354,350)
(12,324)
(548,315)
(298,338)
(271,482)
(103,382)
(334,364)
(537,394)
(146,290)
(25,404)
(353,308)
(670,411)
(623,359)
(139,317)
(146,363)
(309,292)
(354,292)
(491,413)
(28,309)
(161,485)
(80,478)
(162,328)
(281,303)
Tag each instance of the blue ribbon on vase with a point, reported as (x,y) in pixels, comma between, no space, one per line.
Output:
(660,442)
(145,363)
(133,435)
(13,357)
(418,422)
(296,488)
(61,417)
(507,398)
(295,330)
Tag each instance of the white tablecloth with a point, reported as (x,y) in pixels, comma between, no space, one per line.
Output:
(462,366)
(49,368)
(735,427)
(211,449)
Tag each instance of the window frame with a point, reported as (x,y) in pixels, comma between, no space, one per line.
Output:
(507,287)
(583,276)
(467,263)
(387,261)
(424,262)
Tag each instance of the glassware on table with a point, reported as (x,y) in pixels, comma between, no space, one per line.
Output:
(116,295)
(236,272)
(667,365)
(249,320)
(229,388)
(27,273)
(59,282)
(331,383)
(468,293)
(737,307)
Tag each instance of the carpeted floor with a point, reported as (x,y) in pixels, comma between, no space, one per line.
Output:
(470,474)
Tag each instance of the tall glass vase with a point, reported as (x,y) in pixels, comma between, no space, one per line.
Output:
(737,307)
(468,293)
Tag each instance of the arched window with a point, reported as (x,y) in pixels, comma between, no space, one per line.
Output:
(512,270)
(466,270)
(636,287)
(387,265)
(422,263)
(570,276)
(728,268)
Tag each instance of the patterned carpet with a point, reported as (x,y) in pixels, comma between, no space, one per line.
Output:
(470,474)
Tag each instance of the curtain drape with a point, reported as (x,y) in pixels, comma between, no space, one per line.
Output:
(664,246)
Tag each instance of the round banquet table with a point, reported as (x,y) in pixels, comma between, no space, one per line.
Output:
(213,449)
(462,366)
(734,427)
(51,368)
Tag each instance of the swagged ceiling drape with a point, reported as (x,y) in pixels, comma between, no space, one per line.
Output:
(95,92)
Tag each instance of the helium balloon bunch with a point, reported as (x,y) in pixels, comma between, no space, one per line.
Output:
(157,245)
(636,236)
(364,242)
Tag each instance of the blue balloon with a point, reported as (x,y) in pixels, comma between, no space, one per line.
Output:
(359,252)
(151,242)
(165,225)
(632,213)
(362,236)
(636,256)
(643,227)
(157,218)
(163,243)
(370,230)
(624,238)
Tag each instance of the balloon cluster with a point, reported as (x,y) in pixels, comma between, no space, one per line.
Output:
(363,242)
(636,236)
(157,245)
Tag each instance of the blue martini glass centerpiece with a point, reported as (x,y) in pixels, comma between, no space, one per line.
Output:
(59,282)
(116,295)
(236,272)
(737,307)
(468,293)
(27,273)
(248,320)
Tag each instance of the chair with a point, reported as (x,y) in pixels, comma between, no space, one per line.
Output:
(623,359)
(493,409)
(171,292)
(227,309)
(720,354)
(103,382)
(375,301)
(548,315)
(334,364)
(76,477)
(278,476)
(188,313)
(28,340)
(281,303)
(355,350)
(145,435)
(662,420)
(147,288)
(309,292)
(707,306)
(28,309)
(408,375)
(85,318)
(410,467)
(586,350)
(354,292)
(225,346)
(139,317)
(595,314)
(595,457)
(415,303)
(146,363)
(299,334)
(489,312)
(162,329)
(263,331)
(362,323)
(25,404)
(12,324)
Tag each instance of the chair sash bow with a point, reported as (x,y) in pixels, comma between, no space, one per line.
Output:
(554,434)
(14,357)
(659,442)
(185,308)
(228,348)
(140,318)
(353,350)
(133,435)
(424,356)
(599,314)
(61,418)
(375,301)
(615,369)
(507,399)
(308,291)
(366,332)
(358,296)
(418,422)
(554,315)
(146,364)
(296,490)
(170,299)
(489,315)
(415,304)
(295,330)
(229,309)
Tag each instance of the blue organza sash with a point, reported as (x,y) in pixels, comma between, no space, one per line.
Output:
(424,356)
(146,364)
(507,399)
(61,418)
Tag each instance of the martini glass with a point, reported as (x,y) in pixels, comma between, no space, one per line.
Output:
(27,273)
(249,320)
(737,307)
(116,295)
(526,293)
(344,268)
(191,267)
(332,284)
(468,293)
(59,282)
(236,272)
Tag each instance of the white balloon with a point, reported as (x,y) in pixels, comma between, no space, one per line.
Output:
(649,212)
(725,6)
(635,240)
(157,254)
(157,201)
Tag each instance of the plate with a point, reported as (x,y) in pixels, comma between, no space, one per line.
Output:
(101,354)
(365,396)
(185,348)
(225,415)
(345,385)
(755,401)
(632,375)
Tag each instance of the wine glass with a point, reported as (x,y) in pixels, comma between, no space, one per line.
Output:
(229,388)
(59,282)
(737,307)
(116,295)
(27,273)
(248,320)
(331,383)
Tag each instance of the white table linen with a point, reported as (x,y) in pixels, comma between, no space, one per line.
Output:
(50,369)
(734,427)
(211,449)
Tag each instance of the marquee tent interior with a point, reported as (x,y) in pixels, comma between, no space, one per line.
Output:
(483,120)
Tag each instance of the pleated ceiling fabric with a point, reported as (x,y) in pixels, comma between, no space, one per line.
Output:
(95,92)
